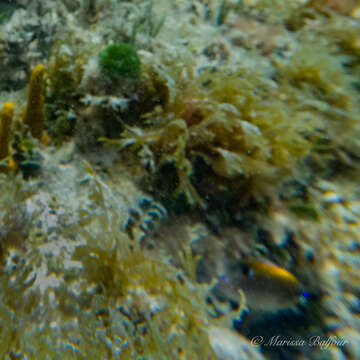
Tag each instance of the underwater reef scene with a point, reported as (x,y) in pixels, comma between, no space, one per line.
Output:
(179,179)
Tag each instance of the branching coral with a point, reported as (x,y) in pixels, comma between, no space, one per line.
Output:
(34,116)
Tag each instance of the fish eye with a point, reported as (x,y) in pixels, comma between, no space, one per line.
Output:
(246,270)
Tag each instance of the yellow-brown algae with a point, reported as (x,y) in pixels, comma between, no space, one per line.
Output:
(6,117)
(34,116)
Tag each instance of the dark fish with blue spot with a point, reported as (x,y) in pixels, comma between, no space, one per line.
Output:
(266,287)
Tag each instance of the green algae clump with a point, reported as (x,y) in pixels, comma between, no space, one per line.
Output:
(119,60)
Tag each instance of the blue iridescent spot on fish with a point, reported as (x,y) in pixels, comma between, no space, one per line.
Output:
(305,294)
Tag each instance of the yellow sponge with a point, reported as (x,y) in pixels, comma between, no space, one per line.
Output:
(6,116)
(34,116)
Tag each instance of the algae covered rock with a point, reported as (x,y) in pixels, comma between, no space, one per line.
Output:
(234,106)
